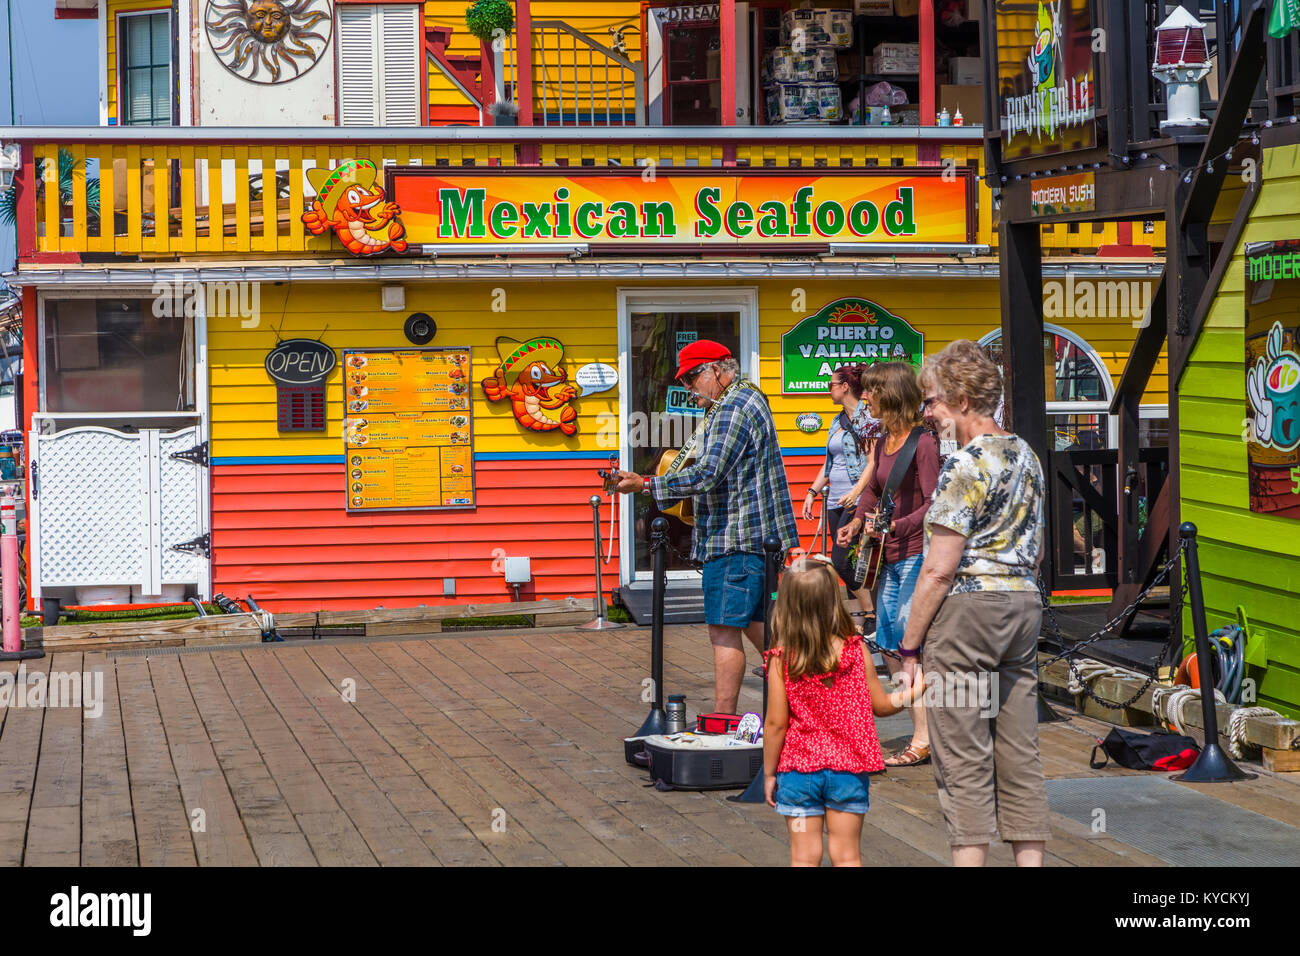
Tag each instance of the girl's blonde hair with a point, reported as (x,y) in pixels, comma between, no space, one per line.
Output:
(898,397)
(807,617)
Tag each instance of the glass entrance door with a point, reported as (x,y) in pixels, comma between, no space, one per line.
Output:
(659,415)
(693,81)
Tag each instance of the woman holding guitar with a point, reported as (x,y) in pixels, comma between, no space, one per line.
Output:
(847,468)
(891,513)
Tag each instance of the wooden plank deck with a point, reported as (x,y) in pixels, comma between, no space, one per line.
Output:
(468,749)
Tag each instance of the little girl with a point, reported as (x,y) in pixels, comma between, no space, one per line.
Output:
(819,739)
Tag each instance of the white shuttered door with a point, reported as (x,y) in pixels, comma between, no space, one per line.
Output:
(380,75)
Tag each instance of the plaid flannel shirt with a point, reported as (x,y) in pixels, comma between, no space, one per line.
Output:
(738,482)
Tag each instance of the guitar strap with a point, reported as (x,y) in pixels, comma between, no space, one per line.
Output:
(688,448)
(901,463)
(896,474)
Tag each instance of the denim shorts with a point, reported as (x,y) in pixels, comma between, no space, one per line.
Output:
(733,589)
(812,794)
(894,602)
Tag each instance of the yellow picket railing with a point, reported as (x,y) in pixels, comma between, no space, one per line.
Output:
(160,198)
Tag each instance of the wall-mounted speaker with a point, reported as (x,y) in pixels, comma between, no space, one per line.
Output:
(420,328)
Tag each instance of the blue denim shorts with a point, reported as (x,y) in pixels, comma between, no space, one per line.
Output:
(733,589)
(894,602)
(812,794)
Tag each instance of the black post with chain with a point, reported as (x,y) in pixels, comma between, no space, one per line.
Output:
(657,720)
(1212,764)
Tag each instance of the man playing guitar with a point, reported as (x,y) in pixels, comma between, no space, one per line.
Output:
(738,486)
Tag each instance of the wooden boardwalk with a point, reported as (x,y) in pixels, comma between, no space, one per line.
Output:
(444,750)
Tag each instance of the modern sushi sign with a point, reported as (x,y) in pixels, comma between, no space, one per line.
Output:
(847,331)
(1273,377)
(621,209)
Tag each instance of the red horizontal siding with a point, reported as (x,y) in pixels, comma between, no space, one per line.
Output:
(282,533)
(453,116)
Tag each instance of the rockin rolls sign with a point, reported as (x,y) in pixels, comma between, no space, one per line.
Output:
(1047,97)
(846,332)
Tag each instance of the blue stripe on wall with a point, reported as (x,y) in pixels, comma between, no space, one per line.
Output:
(481,456)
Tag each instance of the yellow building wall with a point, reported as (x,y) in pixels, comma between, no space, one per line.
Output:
(580,315)
(583,316)
(116,7)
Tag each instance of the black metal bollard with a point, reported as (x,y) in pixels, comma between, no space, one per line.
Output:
(657,721)
(754,793)
(1212,765)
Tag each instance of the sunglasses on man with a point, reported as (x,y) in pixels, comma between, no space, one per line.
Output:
(689,378)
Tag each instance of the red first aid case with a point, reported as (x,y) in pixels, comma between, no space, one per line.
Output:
(718,723)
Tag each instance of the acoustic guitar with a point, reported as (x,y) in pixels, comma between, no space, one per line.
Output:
(871,547)
(683,511)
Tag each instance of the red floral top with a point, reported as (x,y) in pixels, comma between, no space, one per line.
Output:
(831,728)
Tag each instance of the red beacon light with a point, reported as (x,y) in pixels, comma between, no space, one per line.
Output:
(1182,60)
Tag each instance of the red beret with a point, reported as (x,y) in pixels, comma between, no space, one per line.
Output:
(700,352)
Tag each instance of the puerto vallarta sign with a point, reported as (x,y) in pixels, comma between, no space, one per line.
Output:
(848,331)
(620,208)
(1047,98)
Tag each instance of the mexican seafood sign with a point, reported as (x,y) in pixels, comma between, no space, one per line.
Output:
(624,209)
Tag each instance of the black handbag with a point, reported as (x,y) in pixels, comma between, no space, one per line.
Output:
(1138,751)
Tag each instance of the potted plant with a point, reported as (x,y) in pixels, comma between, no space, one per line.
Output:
(484,17)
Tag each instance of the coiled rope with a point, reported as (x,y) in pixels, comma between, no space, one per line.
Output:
(1237,742)
(1169,703)
(1085,672)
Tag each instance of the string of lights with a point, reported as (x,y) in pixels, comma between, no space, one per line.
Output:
(993,179)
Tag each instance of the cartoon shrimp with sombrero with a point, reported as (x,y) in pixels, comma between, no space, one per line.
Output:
(348,201)
(530,376)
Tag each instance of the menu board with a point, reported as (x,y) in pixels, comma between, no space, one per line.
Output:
(408,429)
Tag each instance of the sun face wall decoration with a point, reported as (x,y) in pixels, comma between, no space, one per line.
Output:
(269,41)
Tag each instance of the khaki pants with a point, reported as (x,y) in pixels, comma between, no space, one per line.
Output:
(988,770)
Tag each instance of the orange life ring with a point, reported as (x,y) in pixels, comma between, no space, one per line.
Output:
(1189,675)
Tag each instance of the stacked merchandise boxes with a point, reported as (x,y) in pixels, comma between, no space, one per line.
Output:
(896,58)
(801,75)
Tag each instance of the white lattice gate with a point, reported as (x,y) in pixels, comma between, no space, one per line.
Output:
(115,508)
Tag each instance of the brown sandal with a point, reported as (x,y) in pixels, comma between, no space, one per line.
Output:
(909,757)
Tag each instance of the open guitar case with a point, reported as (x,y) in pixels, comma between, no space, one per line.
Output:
(691,761)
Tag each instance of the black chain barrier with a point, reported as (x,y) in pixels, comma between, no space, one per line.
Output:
(1152,671)
(685,559)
